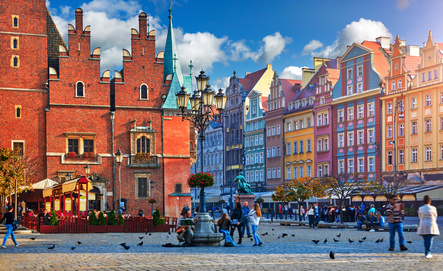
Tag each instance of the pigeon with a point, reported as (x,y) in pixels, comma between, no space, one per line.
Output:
(140,244)
(146,232)
(263,234)
(350,241)
(33,238)
(409,242)
(325,241)
(284,234)
(381,240)
(339,235)
(272,229)
(335,240)
(278,237)
(72,248)
(78,242)
(251,239)
(378,241)
(169,233)
(316,241)
(150,234)
(141,237)
(331,255)
(361,241)
(126,247)
(53,246)
(293,235)
(364,238)
(266,233)
(122,244)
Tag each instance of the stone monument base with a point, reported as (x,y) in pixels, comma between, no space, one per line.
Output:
(245,198)
(204,233)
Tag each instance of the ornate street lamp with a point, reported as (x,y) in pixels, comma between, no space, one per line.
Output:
(119,160)
(202,113)
(87,170)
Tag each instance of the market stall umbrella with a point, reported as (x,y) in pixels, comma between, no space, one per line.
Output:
(44,184)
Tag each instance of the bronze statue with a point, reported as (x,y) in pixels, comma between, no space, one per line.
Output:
(242,186)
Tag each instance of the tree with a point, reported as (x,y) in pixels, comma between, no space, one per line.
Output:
(111,218)
(53,221)
(299,190)
(342,187)
(14,167)
(388,185)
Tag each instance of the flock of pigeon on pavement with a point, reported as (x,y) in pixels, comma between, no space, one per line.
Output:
(331,254)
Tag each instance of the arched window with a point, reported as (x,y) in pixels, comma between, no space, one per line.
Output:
(143,145)
(14,43)
(143,92)
(393,85)
(79,89)
(15,62)
(15,22)
(18,112)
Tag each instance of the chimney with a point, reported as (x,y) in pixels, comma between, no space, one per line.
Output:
(79,20)
(384,42)
(402,42)
(143,25)
(413,50)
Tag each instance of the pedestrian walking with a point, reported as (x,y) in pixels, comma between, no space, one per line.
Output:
(9,217)
(302,213)
(395,210)
(255,220)
(236,217)
(427,227)
(311,216)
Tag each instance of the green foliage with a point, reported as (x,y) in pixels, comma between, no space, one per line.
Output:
(53,221)
(259,200)
(156,218)
(111,218)
(101,219)
(121,220)
(92,219)
(222,201)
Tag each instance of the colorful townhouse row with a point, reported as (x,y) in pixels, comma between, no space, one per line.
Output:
(340,118)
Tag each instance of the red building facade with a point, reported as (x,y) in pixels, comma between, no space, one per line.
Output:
(67,115)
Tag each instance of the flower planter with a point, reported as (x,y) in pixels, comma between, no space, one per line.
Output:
(115,228)
(48,229)
(97,229)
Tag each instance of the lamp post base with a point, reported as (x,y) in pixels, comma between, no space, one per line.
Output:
(204,233)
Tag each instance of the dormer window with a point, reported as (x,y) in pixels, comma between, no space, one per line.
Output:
(349,73)
(79,89)
(143,92)
(360,71)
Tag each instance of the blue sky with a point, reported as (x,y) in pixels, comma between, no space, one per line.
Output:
(228,35)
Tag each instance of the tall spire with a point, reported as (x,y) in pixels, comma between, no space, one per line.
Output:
(171,62)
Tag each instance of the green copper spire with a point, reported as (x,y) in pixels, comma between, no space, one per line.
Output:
(171,62)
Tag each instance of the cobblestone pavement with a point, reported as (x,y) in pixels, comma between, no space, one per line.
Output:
(298,252)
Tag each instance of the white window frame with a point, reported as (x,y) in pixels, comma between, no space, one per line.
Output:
(414,127)
(360,137)
(350,113)
(414,153)
(401,156)
(350,138)
(428,154)
(360,165)
(371,109)
(349,74)
(428,101)
(351,165)
(361,111)
(428,125)
(341,140)
(371,164)
(350,90)
(341,166)
(371,136)
(413,103)
(341,115)
(389,108)
(360,70)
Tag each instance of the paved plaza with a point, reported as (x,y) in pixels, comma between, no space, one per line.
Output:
(293,252)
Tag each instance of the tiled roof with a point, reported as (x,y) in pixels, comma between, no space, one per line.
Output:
(381,64)
(251,80)
(288,88)
(411,63)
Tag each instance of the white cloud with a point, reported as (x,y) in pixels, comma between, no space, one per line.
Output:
(113,7)
(221,83)
(402,4)
(292,72)
(355,32)
(273,46)
(311,46)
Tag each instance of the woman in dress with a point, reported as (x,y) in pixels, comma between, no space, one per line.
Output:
(428,227)
(255,215)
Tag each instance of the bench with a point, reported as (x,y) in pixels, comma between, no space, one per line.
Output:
(407,228)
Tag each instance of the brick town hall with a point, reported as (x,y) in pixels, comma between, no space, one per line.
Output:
(57,108)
